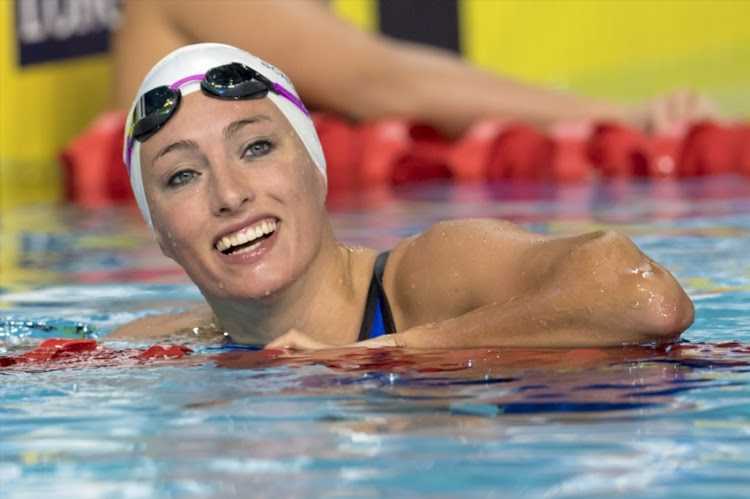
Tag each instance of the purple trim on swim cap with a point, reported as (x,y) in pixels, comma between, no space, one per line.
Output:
(130,153)
(187,79)
(291,97)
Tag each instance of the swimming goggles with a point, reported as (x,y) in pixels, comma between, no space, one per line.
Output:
(233,81)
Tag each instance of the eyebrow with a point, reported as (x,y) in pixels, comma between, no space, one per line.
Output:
(236,126)
(187,145)
(229,130)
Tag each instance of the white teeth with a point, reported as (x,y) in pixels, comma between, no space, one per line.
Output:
(246,236)
(223,244)
(249,248)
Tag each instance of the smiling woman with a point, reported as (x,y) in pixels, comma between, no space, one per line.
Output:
(229,174)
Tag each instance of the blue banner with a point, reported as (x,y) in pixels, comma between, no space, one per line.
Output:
(51,30)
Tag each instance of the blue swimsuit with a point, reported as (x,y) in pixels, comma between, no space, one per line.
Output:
(378,319)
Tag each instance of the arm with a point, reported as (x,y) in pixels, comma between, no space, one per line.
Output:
(481,283)
(364,76)
(517,289)
(191,325)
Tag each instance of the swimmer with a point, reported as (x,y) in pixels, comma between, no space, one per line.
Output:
(364,76)
(229,174)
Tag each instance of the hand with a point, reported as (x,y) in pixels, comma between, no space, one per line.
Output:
(295,339)
(672,112)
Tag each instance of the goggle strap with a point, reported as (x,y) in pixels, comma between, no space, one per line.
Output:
(129,153)
(290,97)
(187,79)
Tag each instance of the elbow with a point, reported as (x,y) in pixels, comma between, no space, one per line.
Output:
(669,314)
(382,85)
(652,306)
(663,310)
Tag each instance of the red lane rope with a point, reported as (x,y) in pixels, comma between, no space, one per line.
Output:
(392,152)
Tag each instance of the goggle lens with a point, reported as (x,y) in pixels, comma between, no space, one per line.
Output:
(235,81)
(160,100)
(153,110)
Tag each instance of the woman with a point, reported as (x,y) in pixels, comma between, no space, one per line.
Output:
(229,174)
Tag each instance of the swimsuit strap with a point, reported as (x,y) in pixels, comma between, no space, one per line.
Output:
(378,319)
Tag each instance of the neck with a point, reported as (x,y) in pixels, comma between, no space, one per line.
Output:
(326,302)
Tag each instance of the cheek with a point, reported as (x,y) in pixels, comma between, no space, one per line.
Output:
(167,237)
(173,224)
(312,184)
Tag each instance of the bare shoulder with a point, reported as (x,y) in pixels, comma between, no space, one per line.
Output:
(464,243)
(476,232)
(191,325)
(456,266)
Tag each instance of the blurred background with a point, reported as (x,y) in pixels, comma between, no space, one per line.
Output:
(55,71)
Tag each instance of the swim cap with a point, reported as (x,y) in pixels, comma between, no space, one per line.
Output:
(195,60)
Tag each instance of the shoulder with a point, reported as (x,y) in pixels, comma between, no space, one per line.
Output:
(191,325)
(455,234)
(464,244)
(456,266)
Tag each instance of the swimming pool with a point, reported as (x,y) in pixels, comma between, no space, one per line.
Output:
(635,422)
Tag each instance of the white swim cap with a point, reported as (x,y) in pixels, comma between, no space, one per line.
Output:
(195,60)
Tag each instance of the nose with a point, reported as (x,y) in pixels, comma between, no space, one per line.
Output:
(229,191)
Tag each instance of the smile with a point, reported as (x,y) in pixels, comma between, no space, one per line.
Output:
(246,239)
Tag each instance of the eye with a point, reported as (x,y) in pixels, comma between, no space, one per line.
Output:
(181,178)
(259,148)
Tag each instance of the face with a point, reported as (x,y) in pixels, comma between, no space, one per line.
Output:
(234,196)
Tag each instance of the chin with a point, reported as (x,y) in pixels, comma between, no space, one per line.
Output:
(255,289)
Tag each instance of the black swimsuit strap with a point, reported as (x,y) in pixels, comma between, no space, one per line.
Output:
(385,307)
(375,293)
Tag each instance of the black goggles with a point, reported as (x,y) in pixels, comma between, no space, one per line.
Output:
(233,81)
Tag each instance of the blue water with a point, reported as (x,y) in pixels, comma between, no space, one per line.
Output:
(478,423)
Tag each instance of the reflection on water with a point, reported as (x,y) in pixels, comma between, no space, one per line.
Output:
(632,422)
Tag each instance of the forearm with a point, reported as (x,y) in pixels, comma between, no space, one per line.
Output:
(502,326)
(524,324)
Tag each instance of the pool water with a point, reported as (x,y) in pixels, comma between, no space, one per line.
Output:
(631,422)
